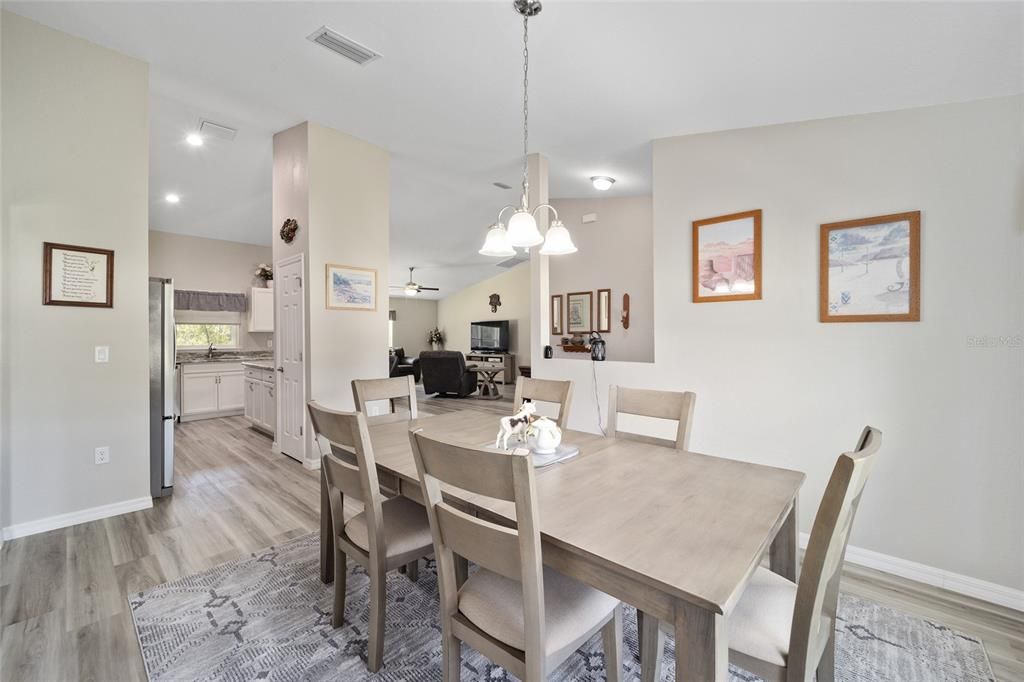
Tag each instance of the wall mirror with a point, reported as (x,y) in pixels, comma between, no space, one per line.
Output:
(604,310)
(556,315)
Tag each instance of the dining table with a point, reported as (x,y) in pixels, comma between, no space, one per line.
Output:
(676,534)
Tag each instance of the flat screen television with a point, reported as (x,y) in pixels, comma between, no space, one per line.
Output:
(490,336)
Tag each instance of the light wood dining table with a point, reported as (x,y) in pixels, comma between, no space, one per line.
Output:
(676,534)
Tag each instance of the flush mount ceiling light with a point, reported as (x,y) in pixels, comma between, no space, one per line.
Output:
(522,225)
(194,139)
(172,198)
(602,182)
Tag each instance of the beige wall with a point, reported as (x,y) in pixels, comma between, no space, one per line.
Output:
(75,170)
(337,187)
(415,317)
(776,386)
(614,253)
(210,265)
(456,312)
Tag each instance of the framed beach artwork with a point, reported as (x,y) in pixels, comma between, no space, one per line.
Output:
(351,288)
(727,258)
(580,308)
(80,276)
(870,269)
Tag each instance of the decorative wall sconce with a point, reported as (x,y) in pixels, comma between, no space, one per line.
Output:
(625,311)
(495,302)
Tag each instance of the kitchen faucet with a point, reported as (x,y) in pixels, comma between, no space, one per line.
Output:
(209,352)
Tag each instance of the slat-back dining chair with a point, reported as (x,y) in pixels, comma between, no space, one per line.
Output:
(520,614)
(386,535)
(668,405)
(369,390)
(547,391)
(784,631)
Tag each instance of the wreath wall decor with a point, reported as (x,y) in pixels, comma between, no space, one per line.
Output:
(288,230)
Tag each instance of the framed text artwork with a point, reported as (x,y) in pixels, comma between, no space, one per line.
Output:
(80,276)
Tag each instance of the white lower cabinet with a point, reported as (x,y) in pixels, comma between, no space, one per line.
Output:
(211,390)
(260,403)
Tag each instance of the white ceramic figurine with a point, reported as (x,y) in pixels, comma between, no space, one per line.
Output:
(515,425)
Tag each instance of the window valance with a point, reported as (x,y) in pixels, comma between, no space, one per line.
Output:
(210,300)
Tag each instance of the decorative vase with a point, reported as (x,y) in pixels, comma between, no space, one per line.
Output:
(544,436)
(269,283)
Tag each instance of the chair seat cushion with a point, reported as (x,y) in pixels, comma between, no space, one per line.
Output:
(406,528)
(760,624)
(494,604)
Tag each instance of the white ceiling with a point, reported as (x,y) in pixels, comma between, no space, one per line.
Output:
(606,78)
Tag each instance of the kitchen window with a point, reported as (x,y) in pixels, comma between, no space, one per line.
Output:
(195,335)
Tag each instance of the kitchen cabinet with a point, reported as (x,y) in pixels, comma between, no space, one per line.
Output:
(260,400)
(261,310)
(211,389)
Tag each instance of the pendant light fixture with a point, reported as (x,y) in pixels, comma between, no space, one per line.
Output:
(522,229)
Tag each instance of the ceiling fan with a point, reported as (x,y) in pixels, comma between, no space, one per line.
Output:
(411,288)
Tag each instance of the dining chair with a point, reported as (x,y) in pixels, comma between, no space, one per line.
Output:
(522,615)
(546,391)
(667,405)
(369,390)
(784,631)
(388,534)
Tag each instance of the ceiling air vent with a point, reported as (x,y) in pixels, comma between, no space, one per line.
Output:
(514,260)
(346,47)
(209,129)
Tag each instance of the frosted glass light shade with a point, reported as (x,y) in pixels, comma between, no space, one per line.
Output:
(522,230)
(497,244)
(558,241)
(411,291)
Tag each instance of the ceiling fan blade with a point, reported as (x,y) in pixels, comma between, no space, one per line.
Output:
(429,289)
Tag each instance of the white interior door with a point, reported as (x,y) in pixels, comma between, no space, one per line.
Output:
(291,371)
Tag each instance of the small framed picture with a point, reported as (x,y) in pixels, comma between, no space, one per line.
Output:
(727,258)
(580,308)
(604,311)
(78,276)
(870,269)
(557,315)
(351,288)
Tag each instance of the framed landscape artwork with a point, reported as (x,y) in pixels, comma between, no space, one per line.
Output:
(580,307)
(351,288)
(78,276)
(727,258)
(870,269)
(556,315)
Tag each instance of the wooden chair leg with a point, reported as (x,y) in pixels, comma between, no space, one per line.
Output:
(827,664)
(451,658)
(653,649)
(639,632)
(611,637)
(412,570)
(378,605)
(340,573)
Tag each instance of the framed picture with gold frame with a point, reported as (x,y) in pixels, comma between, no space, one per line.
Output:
(557,314)
(869,269)
(350,288)
(727,258)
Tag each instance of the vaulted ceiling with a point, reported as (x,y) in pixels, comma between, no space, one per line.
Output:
(606,78)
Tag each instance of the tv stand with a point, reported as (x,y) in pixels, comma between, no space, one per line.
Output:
(507,360)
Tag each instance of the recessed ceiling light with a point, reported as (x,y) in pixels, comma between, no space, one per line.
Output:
(194,139)
(172,198)
(602,182)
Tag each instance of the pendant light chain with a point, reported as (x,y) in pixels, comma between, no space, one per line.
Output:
(526,104)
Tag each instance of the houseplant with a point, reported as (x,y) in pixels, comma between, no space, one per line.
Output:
(265,273)
(436,338)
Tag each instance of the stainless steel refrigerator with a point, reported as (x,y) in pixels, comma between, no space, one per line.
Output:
(161,386)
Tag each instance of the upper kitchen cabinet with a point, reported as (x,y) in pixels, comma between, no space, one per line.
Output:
(261,310)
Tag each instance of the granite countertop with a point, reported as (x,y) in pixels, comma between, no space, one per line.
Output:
(199,357)
(261,364)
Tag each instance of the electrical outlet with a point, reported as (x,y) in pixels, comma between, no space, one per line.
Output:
(103,454)
(270,344)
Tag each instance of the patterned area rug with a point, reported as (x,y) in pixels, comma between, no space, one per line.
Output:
(268,616)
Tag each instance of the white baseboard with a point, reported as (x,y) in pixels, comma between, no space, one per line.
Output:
(311,464)
(19,530)
(929,575)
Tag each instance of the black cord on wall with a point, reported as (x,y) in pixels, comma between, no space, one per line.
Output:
(597,399)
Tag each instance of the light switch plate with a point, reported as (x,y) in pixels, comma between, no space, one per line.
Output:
(102,353)
(103,454)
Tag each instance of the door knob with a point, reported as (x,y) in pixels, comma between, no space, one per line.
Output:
(280,369)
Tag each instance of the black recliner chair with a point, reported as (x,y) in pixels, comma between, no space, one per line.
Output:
(444,371)
(403,365)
